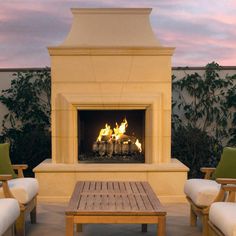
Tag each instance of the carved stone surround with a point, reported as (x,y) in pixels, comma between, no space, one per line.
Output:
(68,104)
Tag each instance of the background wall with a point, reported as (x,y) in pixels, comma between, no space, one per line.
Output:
(7,74)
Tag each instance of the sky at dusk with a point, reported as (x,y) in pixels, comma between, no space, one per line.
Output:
(201,30)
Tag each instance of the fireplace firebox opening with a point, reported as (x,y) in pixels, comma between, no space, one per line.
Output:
(111,136)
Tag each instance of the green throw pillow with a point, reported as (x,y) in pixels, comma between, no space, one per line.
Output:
(5,161)
(226,168)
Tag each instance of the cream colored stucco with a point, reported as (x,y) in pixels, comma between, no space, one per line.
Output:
(153,93)
(111,74)
(111,27)
(94,70)
(57,181)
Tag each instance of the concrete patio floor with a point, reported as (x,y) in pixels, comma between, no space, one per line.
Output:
(51,221)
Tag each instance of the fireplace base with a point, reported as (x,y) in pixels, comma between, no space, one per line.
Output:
(57,181)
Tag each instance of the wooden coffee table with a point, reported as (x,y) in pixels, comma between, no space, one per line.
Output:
(114,202)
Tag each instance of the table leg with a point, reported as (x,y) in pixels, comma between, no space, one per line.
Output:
(144,228)
(69,226)
(79,227)
(161,226)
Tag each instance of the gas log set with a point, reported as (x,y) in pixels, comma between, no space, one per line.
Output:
(115,145)
(116,141)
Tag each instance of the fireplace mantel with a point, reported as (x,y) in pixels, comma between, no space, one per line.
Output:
(110,51)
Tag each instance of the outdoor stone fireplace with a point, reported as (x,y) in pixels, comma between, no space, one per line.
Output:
(111,66)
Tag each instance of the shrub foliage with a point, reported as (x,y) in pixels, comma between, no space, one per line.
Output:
(27,124)
(204,117)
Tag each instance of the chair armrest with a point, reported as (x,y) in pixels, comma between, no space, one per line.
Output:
(5,177)
(227,186)
(208,171)
(6,190)
(20,169)
(226,181)
(227,192)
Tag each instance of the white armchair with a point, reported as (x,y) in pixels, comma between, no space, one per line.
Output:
(25,191)
(9,212)
(222,215)
(201,193)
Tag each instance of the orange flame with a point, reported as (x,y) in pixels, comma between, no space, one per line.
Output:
(139,145)
(104,132)
(119,130)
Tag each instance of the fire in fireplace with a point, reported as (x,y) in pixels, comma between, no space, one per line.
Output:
(111,136)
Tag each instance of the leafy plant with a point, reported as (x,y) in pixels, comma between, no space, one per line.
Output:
(231,99)
(202,116)
(195,148)
(27,124)
(203,100)
(28,99)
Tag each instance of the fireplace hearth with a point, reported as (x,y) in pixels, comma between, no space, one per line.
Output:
(111,136)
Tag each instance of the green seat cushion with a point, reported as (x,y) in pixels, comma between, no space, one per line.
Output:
(227,165)
(5,161)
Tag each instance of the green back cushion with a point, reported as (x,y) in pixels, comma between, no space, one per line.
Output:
(227,165)
(5,161)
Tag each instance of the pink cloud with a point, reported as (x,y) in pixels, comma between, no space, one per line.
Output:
(201,31)
(198,50)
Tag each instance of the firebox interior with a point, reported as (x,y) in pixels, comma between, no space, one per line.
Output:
(111,148)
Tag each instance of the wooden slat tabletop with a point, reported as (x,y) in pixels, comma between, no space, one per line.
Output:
(114,198)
